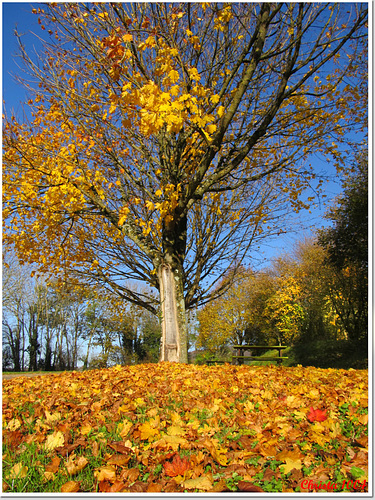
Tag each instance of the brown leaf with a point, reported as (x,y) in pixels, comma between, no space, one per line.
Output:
(268,475)
(130,475)
(95,448)
(247,486)
(70,487)
(138,486)
(104,486)
(13,438)
(53,466)
(118,460)
(219,486)
(117,486)
(119,447)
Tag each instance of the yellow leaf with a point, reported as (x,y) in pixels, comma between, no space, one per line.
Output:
(200,483)
(13,424)
(48,476)
(173,76)
(123,428)
(18,471)
(215,99)
(147,431)
(175,430)
(52,417)
(85,429)
(54,440)
(220,111)
(291,464)
(170,442)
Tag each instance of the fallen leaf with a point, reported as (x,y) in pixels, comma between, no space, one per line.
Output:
(154,488)
(14,424)
(118,460)
(107,472)
(119,447)
(54,440)
(177,467)
(48,476)
(53,466)
(200,483)
(170,442)
(70,487)
(247,486)
(147,431)
(95,448)
(290,465)
(74,466)
(130,475)
(18,471)
(317,415)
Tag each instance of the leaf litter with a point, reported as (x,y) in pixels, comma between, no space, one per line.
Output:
(172,428)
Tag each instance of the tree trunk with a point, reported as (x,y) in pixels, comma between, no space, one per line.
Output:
(173,318)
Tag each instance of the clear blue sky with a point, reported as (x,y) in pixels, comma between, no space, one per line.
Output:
(19,15)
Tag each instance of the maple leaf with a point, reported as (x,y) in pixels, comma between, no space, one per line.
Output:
(317,415)
(177,467)
(291,464)
(147,431)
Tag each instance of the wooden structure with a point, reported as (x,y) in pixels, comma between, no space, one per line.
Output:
(242,357)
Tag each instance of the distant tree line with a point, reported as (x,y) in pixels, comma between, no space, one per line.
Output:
(48,328)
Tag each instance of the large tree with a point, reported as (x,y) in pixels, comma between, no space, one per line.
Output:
(163,140)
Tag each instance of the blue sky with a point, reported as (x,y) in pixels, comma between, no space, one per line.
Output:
(19,15)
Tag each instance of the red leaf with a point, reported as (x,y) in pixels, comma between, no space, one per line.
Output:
(317,415)
(177,467)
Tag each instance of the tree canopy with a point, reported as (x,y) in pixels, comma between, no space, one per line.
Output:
(163,140)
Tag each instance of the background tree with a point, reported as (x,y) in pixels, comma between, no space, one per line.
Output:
(346,243)
(164,140)
(237,317)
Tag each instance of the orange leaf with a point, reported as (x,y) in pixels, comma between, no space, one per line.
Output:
(154,488)
(177,467)
(317,415)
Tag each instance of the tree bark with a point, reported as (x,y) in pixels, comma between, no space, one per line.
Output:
(173,318)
